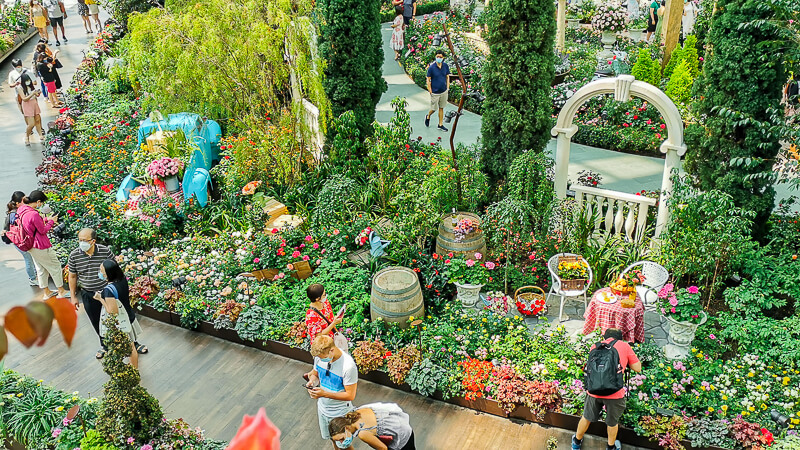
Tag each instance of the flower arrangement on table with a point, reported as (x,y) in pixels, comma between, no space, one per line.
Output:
(463,228)
(164,167)
(627,282)
(498,303)
(610,18)
(363,237)
(463,270)
(682,305)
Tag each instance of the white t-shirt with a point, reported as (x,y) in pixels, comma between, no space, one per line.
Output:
(333,377)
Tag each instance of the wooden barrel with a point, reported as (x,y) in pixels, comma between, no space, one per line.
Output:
(396,295)
(471,244)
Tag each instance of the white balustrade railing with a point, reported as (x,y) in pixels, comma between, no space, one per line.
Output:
(614,212)
(315,131)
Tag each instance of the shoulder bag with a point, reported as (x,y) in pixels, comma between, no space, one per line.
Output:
(338,338)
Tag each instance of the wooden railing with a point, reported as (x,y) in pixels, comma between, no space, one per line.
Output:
(614,212)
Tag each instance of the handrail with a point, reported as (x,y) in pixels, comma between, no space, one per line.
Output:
(608,207)
(616,195)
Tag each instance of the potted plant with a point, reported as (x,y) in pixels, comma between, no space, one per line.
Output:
(166,169)
(573,15)
(497,302)
(625,285)
(573,272)
(684,312)
(609,20)
(636,28)
(469,275)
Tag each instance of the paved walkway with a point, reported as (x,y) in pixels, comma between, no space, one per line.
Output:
(209,382)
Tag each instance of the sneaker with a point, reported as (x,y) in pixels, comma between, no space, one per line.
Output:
(33,282)
(617,446)
(65,39)
(58,44)
(576,444)
(427,120)
(442,128)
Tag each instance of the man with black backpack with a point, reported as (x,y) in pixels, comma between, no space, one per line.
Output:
(605,385)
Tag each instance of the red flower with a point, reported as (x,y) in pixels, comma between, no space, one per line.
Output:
(71,213)
(662,126)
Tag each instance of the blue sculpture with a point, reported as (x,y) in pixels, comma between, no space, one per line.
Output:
(377,245)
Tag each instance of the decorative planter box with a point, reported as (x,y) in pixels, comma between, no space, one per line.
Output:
(555,419)
(19,41)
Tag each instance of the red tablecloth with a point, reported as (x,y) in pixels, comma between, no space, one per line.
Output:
(604,316)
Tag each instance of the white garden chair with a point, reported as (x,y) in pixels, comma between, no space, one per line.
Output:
(555,287)
(655,277)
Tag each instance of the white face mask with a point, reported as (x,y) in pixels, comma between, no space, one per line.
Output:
(84,246)
(19,69)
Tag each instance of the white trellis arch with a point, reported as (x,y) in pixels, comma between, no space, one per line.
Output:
(622,87)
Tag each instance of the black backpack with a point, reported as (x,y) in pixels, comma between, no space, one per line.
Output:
(603,372)
(793,90)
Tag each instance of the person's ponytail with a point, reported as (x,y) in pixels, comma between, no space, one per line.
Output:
(338,424)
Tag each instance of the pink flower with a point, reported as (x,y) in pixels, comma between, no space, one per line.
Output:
(342,249)
(335,232)
(478,255)
(295,254)
(306,258)
(146,447)
(131,440)
(56,432)
(256,260)
(309,238)
(673,301)
(711,336)
(316,246)
(470,263)
(692,290)
(447,261)
(672,310)
(274,231)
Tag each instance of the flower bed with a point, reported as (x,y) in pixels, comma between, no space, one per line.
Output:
(423,7)
(21,396)
(14,27)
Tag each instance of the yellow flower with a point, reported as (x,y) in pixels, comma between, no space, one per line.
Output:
(751,408)
(785,381)
(59,408)
(725,407)
(710,409)
(751,374)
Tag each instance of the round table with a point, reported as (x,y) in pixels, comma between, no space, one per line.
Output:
(604,316)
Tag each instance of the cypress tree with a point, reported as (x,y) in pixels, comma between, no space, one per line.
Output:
(735,92)
(350,42)
(517,81)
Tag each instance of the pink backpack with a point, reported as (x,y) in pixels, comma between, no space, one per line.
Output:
(18,236)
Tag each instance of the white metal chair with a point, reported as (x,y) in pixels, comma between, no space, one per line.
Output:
(655,277)
(555,287)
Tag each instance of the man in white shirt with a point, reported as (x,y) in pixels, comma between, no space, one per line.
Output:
(332,381)
(13,78)
(57,13)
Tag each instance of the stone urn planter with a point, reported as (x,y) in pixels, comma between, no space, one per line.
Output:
(604,56)
(573,23)
(681,335)
(469,294)
(636,35)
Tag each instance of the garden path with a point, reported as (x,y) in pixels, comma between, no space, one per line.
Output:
(209,382)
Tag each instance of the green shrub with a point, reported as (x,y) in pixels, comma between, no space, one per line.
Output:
(350,43)
(674,60)
(517,76)
(646,68)
(679,86)
(422,8)
(689,54)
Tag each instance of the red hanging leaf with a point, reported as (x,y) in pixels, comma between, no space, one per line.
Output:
(256,433)
(3,343)
(40,316)
(66,317)
(17,324)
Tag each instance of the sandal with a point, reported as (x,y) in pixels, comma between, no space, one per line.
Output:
(142,349)
(100,353)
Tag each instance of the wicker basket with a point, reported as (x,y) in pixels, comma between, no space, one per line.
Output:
(572,285)
(532,301)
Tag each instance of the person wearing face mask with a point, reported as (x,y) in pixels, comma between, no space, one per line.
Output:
(333,381)
(84,267)
(11,217)
(382,426)
(44,257)
(115,300)
(438,86)
(28,95)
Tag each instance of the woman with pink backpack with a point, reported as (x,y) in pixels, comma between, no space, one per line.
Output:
(11,217)
(31,230)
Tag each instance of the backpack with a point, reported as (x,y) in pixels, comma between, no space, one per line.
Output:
(7,226)
(603,374)
(18,236)
(793,90)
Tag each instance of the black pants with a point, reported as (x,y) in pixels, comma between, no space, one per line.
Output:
(410,444)
(93,309)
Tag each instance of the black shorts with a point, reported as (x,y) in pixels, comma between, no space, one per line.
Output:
(57,21)
(614,409)
(406,20)
(651,27)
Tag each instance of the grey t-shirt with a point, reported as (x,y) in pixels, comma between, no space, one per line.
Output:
(392,421)
(53,9)
(408,8)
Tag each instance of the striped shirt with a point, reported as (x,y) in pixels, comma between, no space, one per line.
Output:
(87,267)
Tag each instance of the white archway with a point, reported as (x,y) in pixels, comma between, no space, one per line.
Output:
(622,87)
